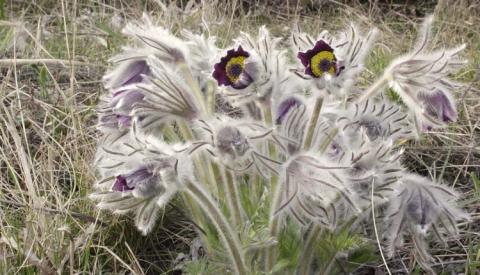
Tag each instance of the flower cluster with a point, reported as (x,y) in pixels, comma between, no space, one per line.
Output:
(184,116)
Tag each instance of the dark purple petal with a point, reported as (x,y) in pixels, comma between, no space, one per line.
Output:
(308,71)
(284,107)
(133,73)
(322,46)
(220,75)
(306,57)
(120,185)
(220,70)
(130,181)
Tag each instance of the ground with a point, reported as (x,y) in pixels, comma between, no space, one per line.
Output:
(52,58)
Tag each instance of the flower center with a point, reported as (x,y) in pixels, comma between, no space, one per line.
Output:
(234,68)
(323,62)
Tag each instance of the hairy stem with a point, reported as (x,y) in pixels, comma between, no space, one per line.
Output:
(309,250)
(375,87)
(272,152)
(193,84)
(273,227)
(270,252)
(314,233)
(233,199)
(196,213)
(210,97)
(375,228)
(329,266)
(328,140)
(224,229)
(217,177)
(312,124)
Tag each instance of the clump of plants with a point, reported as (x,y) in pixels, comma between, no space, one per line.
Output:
(284,163)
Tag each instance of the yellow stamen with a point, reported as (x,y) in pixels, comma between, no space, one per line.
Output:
(318,58)
(235,61)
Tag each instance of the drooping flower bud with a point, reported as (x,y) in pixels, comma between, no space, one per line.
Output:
(421,205)
(438,109)
(126,73)
(421,80)
(284,107)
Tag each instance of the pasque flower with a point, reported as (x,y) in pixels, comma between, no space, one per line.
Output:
(124,99)
(235,69)
(252,70)
(270,143)
(126,73)
(332,62)
(320,60)
(421,205)
(438,108)
(166,97)
(291,115)
(121,82)
(137,179)
(145,178)
(421,79)
(285,106)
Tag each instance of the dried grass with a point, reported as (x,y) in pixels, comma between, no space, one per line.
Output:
(52,59)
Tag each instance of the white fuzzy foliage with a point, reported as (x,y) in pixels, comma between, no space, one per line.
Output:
(167,128)
(311,189)
(379,120)
(167,96)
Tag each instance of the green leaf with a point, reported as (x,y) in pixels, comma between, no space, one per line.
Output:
(2,9)
(476,183)
(42,81)
(280,265)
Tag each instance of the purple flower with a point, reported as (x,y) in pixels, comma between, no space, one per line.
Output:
(320,60)
(127,73)
(123,100)
(233,70)
(438,107)
(284,107)
(120,184)
(130,181)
